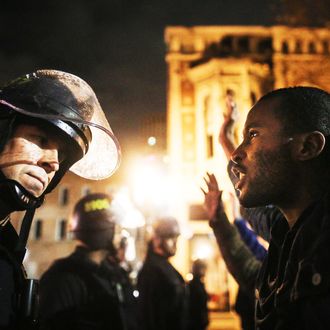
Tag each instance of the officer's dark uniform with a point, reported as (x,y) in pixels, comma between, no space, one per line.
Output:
(11,278)
(162,302)
(76,293)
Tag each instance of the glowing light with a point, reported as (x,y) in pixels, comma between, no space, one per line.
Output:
(133,219)
(202,250)
(152,141)
(129,215)
(130,253)
(136,293)
(189,277)
(152,186)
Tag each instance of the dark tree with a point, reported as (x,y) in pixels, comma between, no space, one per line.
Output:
(302,12)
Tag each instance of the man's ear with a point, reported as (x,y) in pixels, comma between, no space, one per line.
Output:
(309,145)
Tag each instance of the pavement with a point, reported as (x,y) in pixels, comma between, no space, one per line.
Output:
(224,321)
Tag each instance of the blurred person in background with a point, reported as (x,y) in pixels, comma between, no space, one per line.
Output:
(162,302)
(128,292)
(198,318)
(82,291)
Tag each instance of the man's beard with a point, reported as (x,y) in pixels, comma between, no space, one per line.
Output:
(273,180)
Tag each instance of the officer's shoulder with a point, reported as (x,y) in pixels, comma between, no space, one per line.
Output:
(61,266)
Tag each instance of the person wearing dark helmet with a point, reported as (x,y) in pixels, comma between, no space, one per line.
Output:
(50,122)
(81,290)
(162,301)
(198,297)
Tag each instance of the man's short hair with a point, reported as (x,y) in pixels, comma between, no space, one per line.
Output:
(302,109)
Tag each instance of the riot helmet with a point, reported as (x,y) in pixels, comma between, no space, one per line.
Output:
(165,227)
(166,231)
(95,221)
(68,104)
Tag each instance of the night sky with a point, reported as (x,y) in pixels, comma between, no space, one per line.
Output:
(117,46)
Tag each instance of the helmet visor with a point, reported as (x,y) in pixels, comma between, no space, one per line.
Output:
(103,155)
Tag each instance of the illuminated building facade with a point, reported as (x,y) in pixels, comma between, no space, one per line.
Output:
(205,63)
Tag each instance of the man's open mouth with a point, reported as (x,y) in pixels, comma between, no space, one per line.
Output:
(239,173)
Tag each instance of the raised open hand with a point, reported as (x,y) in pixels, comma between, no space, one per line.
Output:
(212,196)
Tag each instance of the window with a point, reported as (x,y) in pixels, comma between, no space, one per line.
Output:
(63,196)
(37,229)
(285,48)
(265,46)
(208,127)
(62,229)
(226,44)
(187,93)
(85,190)
(311,47)
(298,49)
(243,44)
(209,146)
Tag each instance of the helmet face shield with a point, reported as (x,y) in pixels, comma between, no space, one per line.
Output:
(103,155)
(69,103)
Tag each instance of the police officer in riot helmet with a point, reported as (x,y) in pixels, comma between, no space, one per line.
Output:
(162,302)
(81,291)
(50,122)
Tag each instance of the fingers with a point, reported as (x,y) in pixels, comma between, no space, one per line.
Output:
(212,182)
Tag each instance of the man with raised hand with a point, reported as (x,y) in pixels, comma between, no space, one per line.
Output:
(283,161)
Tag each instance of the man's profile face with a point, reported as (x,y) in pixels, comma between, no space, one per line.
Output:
(168,245)
(264,166)
(31,157)
(165,246)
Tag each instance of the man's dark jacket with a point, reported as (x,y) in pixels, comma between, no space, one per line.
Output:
(293,286)
(293,283)
(198,317)
(76,293)
(162,295)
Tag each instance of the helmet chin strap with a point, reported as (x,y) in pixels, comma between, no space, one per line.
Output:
(19,199)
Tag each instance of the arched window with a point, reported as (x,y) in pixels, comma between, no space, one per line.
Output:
(226,45)
(285,48)
(298,48)
(311,47)
(265,46)
(243,45)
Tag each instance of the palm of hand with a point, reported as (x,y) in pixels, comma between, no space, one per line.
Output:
(211,196)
